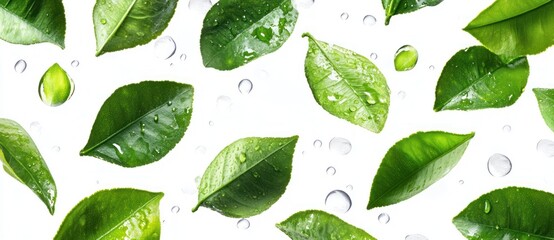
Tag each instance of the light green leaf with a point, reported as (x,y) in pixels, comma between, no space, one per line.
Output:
(508,213)
(55,87)
(545,98)
(140,123)
(114,214)
(475,78)
(22,160)
(32,21)
(395,7)
(247,177)
(236,32)
(515,28)
(347,85)
(315,224)
(121,24)
(415,163)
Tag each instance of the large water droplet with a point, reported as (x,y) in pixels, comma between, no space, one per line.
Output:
(338,201)
(507,128)
(383,218)
(318,143)
(55,86)
(546,147)
(370,20)
(415,237)
(487,206)
(405,58)
(201,6)
(303,3)
(344,16)
(245,86)
(340,145)
(243,224)
(175,209)
(20,66)
(165,47)
(224,103)
(331,171)
(499,165)
(75,63)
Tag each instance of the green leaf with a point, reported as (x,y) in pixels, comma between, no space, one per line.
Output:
(315,224)
(475,78)
(121,24)
(515,28)
(347,85)
(55,87)
(545,98)
(114,214)
(395,7)
(236,32)
(140,123)
(32,21)
(405,58)
(508,213)
(415,163)
(22,161)
(247,177)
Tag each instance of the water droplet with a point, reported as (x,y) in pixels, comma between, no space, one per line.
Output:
(338,201)
(117,148)
(183,57)
(175,209)
(74,63)
(200,150)
(461,182)
(156,118)
(340,145)
(431,68)
(507,128)
(245,86)
(499,165)
(211,123)
(373,56)
(303,3)
(331,171)
(546,147)
(263,34)
(383,218)
(370,20)
(243,224)
(405,58)
(103,21)
(242,157)
(36,128)
(164,47)
(142,127)
(344,16)
(224,103)
(173,109)
(415,237)
(56,148)
(487,207)
(55,86)
(318,143)
(200,6)
(20,66)
(401,95)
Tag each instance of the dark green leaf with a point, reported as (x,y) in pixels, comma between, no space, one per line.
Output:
(508,213)
(114,214)
(32,21)
(140,123)
(315,224)
(395,7)
(55,87)
(121,24)
(236,32)
(515,28)
(347,85)
(22,160)
(415,163)
(247,177)
(475,78)
(545,97)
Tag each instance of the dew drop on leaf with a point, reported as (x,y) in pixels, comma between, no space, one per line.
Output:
(415,237)
(103,21)
(499,165)
(344,16)
(243,224)
(487,206)
(338,201)
(331,171)
(340,146)
(383,218)
(165,47)
(369,20)
(175,209)
(546,147)
(20,66)
(245,86)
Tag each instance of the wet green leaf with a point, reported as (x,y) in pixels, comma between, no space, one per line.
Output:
(545,98)
(395,7)
(55,87)
(236,32)
(347,85)
(247,177)
(121,24)
(515,28)
(405,58)
(513,213)
(315,224)
(475,78)
(114,214)
(22,160)
(32,21)
(140,123)
(415,163)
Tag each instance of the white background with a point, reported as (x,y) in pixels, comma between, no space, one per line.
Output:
(280,104)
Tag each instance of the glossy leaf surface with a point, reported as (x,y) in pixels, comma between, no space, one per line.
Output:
(247,176)
(236,32)
(475,78)
(395,7)
(55,86)
(347,85)
(32,21)
(515,28)
(315,224)
(508,213)
(545,98)
(114,214)
(415,163)
(121,24)
(23,161)
(140,123)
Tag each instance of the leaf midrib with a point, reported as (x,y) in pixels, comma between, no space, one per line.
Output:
(506,19)
(3,7)
(125,15)
(504,228)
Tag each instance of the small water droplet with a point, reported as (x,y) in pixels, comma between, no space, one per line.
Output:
(20,66)
(369,20)
(340,145)
(431,68)
(405,58)
(303,3)
(415,237)
(461,182)
(242,157)
(165,47)
(56,149)
(373,56)
(499,165)
(75,63)
(224,103)
(546,147)
(200,150)
(156,118)
(142,127)
(200,6)
(401,95)
(507,128)
(243,224)
(211,123)
(349,187)
(36,128)
(318,143)
(383,218)
(175,209)
(344,16)
(487,207)
(331,171)
(245,86)
(338,201)
(183,57)
(173,109)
